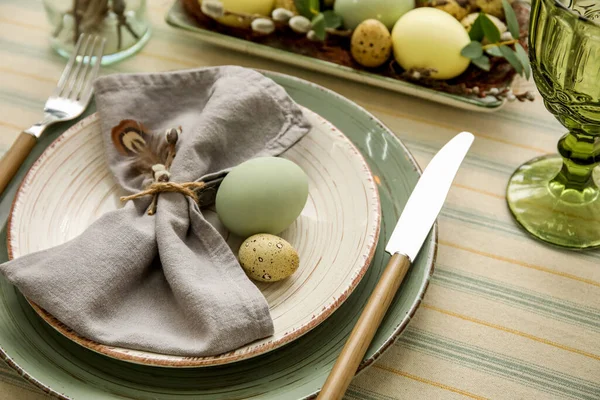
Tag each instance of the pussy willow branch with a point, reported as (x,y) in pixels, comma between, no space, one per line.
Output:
(423,77)
(279,24)
(89,14)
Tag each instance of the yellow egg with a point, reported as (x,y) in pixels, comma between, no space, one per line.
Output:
(287,4)
(261,7)
(268,258)
(430,38)
(371,43)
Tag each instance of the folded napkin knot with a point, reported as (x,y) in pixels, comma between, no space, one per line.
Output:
(170,284)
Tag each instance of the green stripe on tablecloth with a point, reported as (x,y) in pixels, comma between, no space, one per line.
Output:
(502,359)
(537,303)
(550,124)
(472,158)
(9,46)
(513,369)
(481,220)
(509,228)
(20,101)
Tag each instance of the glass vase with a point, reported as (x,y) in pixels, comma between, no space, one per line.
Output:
(123,23)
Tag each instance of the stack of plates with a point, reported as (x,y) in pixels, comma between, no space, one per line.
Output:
(354,203)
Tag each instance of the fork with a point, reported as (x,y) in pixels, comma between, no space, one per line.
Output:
(68,101)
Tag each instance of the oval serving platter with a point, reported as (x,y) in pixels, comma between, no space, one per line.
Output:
(70,186)
(180,19)
(295,371)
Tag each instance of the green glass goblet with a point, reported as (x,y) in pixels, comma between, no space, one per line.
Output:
(556,197)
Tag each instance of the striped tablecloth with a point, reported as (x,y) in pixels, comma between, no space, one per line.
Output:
(504,317)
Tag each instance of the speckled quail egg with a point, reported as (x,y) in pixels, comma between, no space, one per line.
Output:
(493,7)
(371,43)
(268,258)
(457,8)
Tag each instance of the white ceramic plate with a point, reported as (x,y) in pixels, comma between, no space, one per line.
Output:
(70,186)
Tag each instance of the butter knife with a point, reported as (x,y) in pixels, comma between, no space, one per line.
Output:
(408,236)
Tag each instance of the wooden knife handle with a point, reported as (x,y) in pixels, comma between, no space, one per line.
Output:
(355,348)
(14,157)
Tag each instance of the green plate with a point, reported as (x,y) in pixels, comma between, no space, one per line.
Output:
(297,370)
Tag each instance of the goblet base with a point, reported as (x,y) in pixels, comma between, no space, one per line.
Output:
(549,210)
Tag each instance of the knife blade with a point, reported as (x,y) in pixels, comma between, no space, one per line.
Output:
(416,220)
(428,197)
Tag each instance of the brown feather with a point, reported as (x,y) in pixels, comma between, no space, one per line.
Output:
(132,139)
(128,135)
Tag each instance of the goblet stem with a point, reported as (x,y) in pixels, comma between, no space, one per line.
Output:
(556,198)
(581,154)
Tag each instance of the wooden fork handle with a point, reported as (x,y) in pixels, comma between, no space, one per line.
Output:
(355,348)
(14,157)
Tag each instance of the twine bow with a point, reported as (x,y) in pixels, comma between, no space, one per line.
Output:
(161,176)
(187,189)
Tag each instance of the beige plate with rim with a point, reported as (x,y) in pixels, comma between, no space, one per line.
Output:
(70,186)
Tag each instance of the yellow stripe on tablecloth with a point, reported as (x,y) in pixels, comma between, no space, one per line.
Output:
(477,190)
(498,348)
(518,262)
(510,330)
(37,77)
(427,381)
(161,57)
(10,125)
(23,24)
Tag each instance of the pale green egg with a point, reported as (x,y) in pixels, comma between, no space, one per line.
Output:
(262,195)
(353,12)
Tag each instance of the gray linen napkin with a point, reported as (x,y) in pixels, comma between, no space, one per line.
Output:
(167,283)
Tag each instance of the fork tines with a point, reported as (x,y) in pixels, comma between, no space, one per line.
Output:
(76,80)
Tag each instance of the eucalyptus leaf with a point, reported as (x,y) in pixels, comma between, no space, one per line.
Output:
(524,58)
(512,58)
(476,32)
(490,30)
(318,26)
(472,51)
(315,7)
(304,7)
(332,20)
(494,51)
(511,19)
(482,62)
